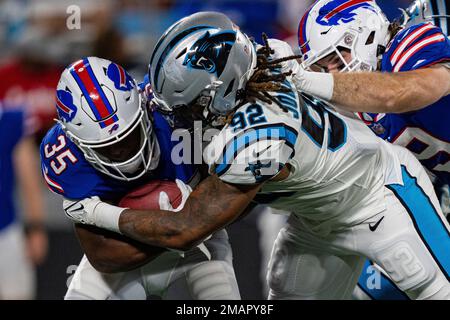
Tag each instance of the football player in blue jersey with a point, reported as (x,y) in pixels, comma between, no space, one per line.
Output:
(107,142)
(351,194)
(19,162)
(407,98)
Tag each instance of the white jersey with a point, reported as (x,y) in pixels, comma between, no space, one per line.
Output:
(337,165)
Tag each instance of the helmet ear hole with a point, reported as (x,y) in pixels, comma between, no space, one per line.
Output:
(381,50)
(370,38)
(181,53)
(229,88)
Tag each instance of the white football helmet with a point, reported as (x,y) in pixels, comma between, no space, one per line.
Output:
(356,25)
(434,11)
(99,108)
(202,58)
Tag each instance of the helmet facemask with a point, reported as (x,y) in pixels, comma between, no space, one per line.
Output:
(144,159)
(364,32)
(199,110)
(348,41)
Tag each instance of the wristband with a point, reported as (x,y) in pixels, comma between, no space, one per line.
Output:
(107,216)
(318,84)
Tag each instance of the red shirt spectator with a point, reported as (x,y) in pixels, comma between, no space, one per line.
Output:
(30,85)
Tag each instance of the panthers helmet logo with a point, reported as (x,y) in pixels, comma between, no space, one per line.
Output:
(210,52)
(338,12)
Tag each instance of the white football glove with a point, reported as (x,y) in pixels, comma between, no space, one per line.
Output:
(315,83)
(282,50)
(81,211)
(93,211)
(164,202)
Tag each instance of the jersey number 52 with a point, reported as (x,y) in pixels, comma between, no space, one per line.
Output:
(314,127)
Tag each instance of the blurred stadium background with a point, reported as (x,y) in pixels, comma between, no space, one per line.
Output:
(36,43)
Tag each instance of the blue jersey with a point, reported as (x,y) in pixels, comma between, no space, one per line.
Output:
(69,174)
(11,131)
(424,132)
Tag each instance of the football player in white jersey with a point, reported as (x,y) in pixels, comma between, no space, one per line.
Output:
(352,195)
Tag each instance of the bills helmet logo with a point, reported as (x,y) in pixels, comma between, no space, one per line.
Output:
(210,52)
(115,127)
(65,107)
(122,80)
(339,12)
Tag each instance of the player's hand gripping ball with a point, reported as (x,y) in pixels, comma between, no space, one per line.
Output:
(164,195)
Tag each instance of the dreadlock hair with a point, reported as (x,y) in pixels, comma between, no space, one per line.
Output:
(266,78)
(394,28)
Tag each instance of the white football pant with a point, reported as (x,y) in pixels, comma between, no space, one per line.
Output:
(410,241)
(169,276)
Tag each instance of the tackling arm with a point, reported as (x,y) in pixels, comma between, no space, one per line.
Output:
(390,92)
(210,207)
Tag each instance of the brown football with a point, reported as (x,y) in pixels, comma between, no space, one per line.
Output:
(147,196)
